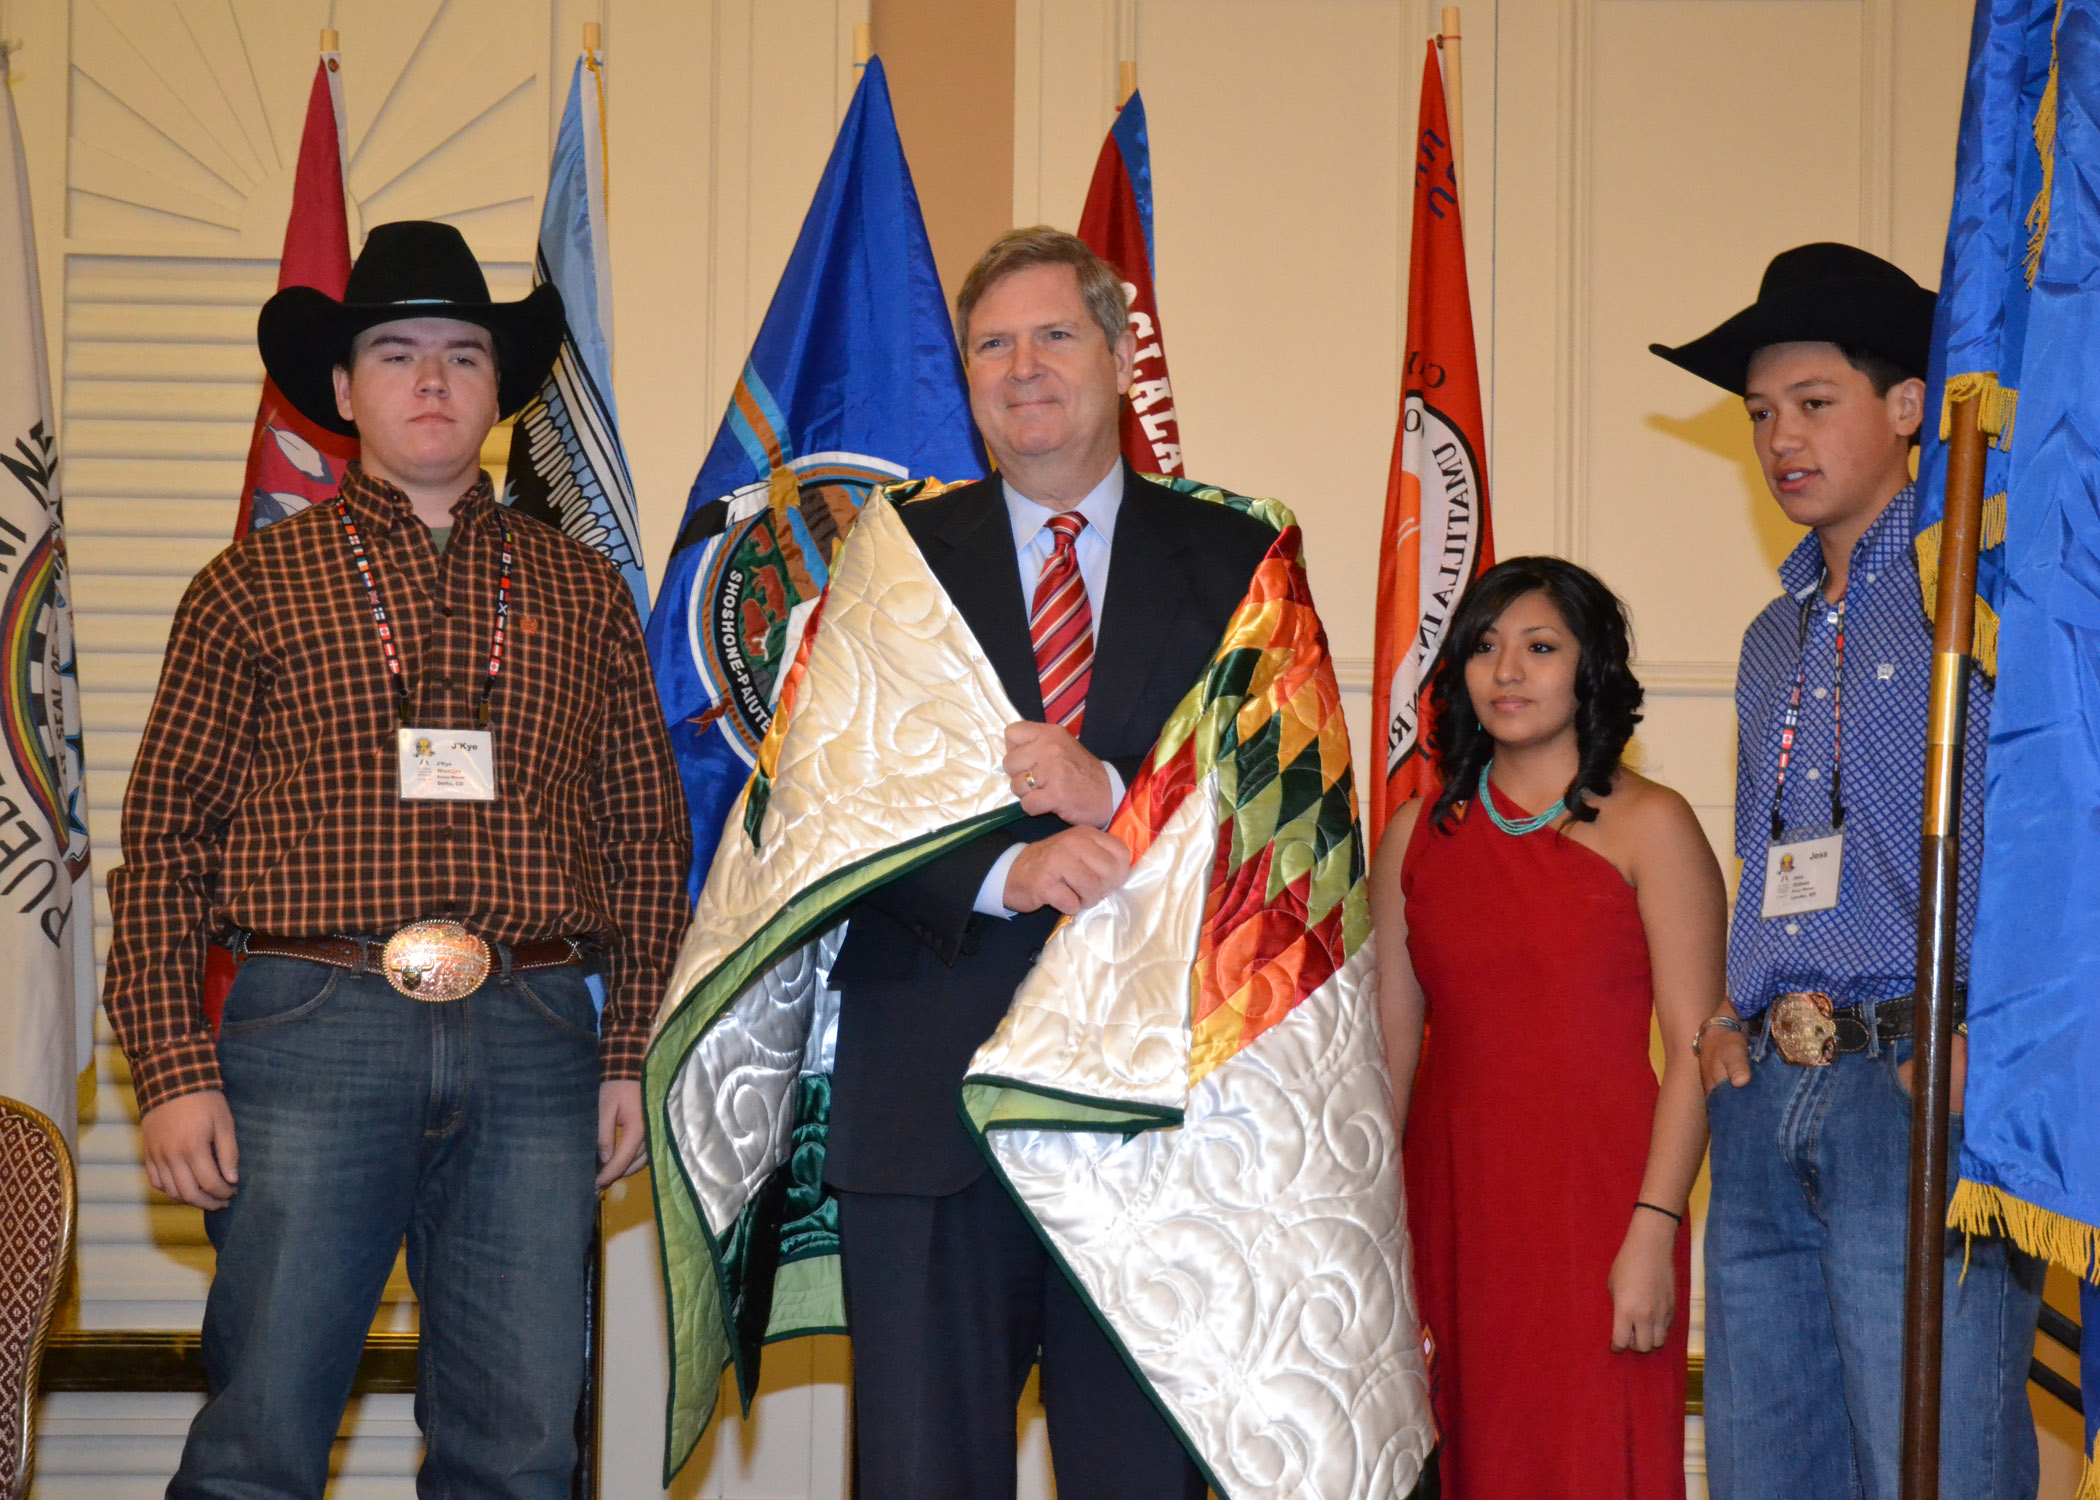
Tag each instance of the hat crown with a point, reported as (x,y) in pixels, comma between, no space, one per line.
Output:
(416,261)
(1828,264)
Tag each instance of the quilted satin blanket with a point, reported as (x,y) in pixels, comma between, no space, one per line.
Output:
(1188,1095)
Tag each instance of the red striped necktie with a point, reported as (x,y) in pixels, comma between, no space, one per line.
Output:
(1061,626)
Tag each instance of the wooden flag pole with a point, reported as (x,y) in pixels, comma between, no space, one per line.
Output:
(1126,82)
(591,37)
(1454,97)
(863,43)
(330,41)
(1939,891)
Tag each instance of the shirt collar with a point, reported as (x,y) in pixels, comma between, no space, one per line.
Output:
(1099,506)
(377,505)
(1882,546)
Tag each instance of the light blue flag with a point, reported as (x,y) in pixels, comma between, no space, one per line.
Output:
(853,382)
(2030,1158)
(566,464)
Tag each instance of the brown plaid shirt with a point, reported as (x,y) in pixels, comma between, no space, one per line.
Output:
(265,796)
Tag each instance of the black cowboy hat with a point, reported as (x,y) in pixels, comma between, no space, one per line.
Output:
(411,269)
(1821,293)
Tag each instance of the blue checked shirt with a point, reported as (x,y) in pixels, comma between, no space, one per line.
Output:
(1865,948)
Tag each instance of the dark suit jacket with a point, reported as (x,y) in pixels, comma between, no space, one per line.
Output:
(924,979)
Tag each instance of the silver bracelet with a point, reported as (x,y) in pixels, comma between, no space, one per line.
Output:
(1726,1023)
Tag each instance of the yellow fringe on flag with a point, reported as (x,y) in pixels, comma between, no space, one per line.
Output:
(2045,145)
(2089,1481)
(1992,534)
(1995,406)
(1977,1208)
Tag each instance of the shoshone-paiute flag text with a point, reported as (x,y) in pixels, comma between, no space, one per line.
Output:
(1437,537)
(1117,226)
(567,467)
(2018,327)
(47,984)
(853,382)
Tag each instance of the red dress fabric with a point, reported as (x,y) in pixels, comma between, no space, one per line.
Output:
(1526,1140)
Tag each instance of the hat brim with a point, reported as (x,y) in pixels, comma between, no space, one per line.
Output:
(1893,322)
(304,334)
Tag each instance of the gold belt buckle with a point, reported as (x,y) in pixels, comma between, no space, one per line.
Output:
(1804,1030)
(435,961)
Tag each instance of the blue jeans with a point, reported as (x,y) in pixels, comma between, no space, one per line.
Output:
(363,1118)
(1804,1299)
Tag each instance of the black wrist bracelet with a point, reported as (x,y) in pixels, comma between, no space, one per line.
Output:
(1658,1208)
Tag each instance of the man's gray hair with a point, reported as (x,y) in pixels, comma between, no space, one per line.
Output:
(1025,249)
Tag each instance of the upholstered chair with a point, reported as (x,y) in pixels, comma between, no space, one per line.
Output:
(36,1235)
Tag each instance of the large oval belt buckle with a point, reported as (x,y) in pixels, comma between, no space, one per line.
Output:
(435,961)
(1804,1030)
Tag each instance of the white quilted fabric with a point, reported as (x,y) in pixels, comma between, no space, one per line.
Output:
(1105,1014)
(1254,1261)
(898,732)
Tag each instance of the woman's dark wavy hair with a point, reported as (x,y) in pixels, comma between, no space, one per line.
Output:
(1607,694)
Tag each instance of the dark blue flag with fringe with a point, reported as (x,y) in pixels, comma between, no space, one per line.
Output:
(853,382)
(2020,328)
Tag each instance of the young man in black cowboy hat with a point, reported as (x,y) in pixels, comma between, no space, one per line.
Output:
(406,757)
(1807,1067)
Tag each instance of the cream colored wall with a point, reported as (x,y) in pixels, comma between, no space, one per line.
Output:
(1631,164)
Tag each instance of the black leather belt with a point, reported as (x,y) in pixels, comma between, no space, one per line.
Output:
(1809,1031)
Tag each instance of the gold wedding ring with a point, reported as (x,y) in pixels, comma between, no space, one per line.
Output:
(1031,781)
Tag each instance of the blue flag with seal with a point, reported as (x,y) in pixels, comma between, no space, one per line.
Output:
(567,467)
(2020,310)
(853,382)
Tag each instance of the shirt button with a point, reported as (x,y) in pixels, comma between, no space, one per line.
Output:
(1870,578)
(1822,692)
(1813,773)
(445,609)
(1793,929)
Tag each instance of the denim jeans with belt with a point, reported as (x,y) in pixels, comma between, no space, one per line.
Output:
(363,1118)
(1804,1298)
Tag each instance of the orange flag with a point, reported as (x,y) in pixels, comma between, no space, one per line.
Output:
(1437,536)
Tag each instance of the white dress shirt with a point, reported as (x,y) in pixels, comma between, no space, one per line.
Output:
(1034,543)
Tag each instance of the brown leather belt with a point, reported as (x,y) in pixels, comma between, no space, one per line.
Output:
(348,953)
(434,960)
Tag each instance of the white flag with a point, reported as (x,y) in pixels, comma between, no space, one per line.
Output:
(47,973)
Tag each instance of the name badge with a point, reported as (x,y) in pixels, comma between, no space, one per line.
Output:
(448,765)
(1802,876)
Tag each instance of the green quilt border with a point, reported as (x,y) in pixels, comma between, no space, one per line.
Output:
(696,1300)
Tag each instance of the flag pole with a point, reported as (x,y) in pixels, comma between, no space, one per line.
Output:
(1939,882)
(331,40)
(863,43)
(1454,96)
(1126,81)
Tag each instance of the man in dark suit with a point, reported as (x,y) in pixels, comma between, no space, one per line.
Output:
(1098,597)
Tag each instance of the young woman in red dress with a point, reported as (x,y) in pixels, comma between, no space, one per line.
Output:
(1529,922)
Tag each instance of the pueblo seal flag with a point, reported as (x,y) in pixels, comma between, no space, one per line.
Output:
(1437,536)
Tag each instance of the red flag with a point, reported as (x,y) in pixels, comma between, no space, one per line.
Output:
(1437,536)
(293,462)
(1117,226)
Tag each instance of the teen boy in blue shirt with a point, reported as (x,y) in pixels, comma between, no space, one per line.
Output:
(1807,1067)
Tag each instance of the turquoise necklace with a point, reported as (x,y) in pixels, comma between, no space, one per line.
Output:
(1516,826)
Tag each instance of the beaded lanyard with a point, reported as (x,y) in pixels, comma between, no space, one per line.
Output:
(386,630)
(1792,722)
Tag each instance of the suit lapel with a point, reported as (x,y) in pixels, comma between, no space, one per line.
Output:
(1147,590)
(973,557)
